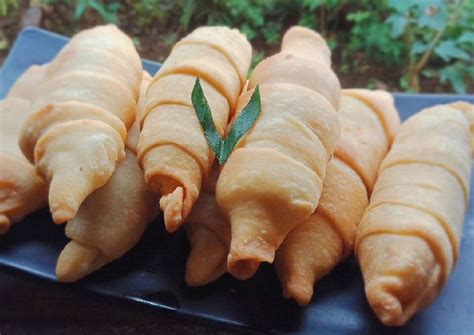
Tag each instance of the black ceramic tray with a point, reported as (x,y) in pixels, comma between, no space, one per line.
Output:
(152,273)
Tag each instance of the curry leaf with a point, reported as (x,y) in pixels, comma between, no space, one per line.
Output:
(244,121)
(203,112)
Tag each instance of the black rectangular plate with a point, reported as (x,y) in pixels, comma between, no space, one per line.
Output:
(152,273)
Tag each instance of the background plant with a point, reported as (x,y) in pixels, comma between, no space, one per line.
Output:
(409,45)
(435,33)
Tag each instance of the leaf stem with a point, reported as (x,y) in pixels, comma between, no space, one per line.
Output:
(415,68)
(223,147)
(428,52)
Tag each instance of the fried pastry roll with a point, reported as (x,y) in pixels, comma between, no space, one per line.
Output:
(208,233)
(112,219)
(315,246)
(408,239)
(75,134)
(468,110)
(21,190)
(273,178)
(172,148)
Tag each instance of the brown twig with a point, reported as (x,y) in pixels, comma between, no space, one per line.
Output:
(428,52)
(415,68)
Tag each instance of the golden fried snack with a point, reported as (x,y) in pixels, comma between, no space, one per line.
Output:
(79,117)
(112,219)
(109,222)
(468,110)
(273,179)
(208,233)
(21,190)
(408,239)
(316,245)
(27,84)
(134,131)
(172,148)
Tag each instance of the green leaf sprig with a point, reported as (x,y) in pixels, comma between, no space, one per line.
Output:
(244,121)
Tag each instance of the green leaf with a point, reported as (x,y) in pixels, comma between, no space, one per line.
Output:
(401,6)
(418,48)
(435,22)
(398,23)
(188,11)
(3,43)
(448,50)
(454,74)
(371,84)
(358,16)
(308,20)
(332,43)
(272,33)
(107,13)
(424,5)
(405,83)
(467,36)
(81,8)
(430,73)
(204,114)
(312,4)
(5,6)
(470,72)
(257,57)
(248,31)
(244,121)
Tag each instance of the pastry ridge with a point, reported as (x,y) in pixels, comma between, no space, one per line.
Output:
(269,183)
(177,161)
(408,240)
(90,89)
(316,245)
(113,218)
(22,191)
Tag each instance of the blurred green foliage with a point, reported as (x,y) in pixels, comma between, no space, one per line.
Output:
(108,11)
(7,5)
(423,39)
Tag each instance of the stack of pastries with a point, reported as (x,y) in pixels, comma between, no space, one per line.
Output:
(322,172)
